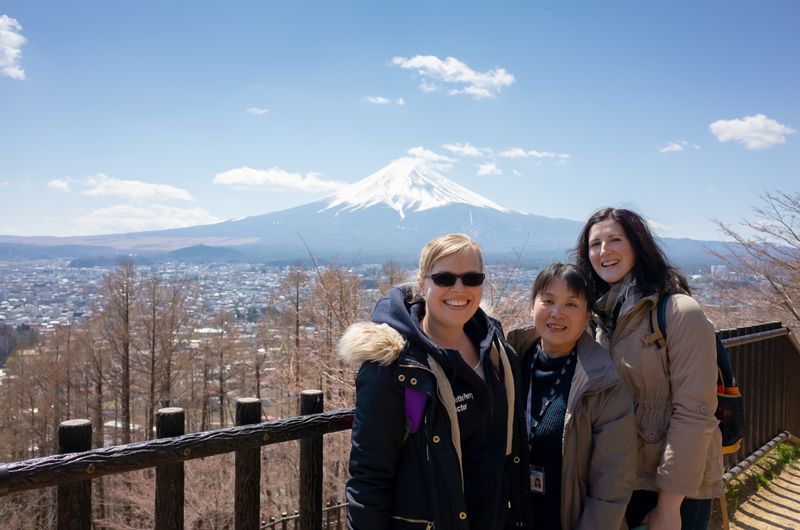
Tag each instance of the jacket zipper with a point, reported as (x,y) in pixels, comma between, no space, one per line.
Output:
(428,524)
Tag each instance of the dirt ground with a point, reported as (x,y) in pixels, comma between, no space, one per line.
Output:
(761,504)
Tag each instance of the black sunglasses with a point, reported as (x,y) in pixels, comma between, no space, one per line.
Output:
(448,279)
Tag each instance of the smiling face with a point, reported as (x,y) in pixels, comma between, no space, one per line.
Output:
(449,308)
(560,316)
(610,251)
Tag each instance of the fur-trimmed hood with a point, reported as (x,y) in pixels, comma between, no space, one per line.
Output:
(368,341)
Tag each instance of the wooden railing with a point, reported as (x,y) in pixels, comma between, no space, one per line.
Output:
(766,360)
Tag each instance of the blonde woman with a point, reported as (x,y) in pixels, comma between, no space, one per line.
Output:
(433,433)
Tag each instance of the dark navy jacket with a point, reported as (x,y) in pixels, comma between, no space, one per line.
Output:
(463,474)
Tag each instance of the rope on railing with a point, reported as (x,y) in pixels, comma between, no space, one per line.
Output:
(745,464)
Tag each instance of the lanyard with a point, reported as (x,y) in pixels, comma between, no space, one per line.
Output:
(536,419)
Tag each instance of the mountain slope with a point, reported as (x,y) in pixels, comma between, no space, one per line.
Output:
(391,213)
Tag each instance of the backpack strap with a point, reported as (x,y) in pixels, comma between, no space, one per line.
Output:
(658,324)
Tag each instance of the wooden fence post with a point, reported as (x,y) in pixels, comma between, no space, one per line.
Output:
(247,499)
(310,467)
(170,422)
(74,508)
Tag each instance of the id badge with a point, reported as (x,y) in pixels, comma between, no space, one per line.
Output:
(537,479)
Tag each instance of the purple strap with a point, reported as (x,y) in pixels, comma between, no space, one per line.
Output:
(414,401)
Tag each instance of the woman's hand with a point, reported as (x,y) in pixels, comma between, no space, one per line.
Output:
(667,513)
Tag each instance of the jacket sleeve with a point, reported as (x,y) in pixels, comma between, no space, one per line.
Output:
(377,438)
(693,373)
(612,464)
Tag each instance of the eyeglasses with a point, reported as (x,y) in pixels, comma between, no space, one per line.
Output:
(448,279)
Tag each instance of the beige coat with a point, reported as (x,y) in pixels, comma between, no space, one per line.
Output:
(674,395)
(598,466)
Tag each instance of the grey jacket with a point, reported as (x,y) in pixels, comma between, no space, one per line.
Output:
(598,467)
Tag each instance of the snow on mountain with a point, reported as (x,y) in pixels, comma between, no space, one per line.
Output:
(406,185)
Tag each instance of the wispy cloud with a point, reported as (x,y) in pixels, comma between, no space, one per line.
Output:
(11,41)
(61,185)
(436,72)
(101,185)
(427,154)
(467,149)
(381,100)
(135,218)
(659,228)
(275,179)
(677,147)
(754,132)
(432,159)
(516,173)
(519,152)
(257,111)
(3,184)
(489,169)
(671,147)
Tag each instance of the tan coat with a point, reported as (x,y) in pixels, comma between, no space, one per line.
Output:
(598,465)
(674,395)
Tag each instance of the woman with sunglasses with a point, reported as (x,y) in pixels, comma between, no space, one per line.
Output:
(674,388)
(578,413)
(433,432)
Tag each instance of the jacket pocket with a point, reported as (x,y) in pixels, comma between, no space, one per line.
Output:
(408,523)
(653,417)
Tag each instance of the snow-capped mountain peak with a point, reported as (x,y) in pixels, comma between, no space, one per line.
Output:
(406,185)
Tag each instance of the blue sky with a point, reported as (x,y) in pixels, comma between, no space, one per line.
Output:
(141,115)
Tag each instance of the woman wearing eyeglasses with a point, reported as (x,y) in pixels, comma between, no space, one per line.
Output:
(434,442)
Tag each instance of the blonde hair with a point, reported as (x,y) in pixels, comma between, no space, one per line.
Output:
(444,246)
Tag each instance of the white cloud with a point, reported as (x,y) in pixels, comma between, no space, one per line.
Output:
(275,179)
(129,218)
(518,152)
(466,149)
(671,147)
(421,152)
(754,132)
(3,184)
(435,72)
(432,159)
(102,185)
(659,228)
(11,41)
(257,111)
(59,185)
(695,147)
(489,169)
(381,100)
(514,152)
(516,173)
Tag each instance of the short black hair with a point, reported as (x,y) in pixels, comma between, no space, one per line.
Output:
(576,281)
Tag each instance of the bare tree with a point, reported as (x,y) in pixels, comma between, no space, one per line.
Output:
(120,291)
(393,274)
(767,245)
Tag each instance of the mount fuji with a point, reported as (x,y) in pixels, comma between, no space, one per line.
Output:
(389,214)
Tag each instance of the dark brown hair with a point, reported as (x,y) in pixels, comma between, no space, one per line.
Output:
(653,271)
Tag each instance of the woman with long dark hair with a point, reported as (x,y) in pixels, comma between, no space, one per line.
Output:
(674,387)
